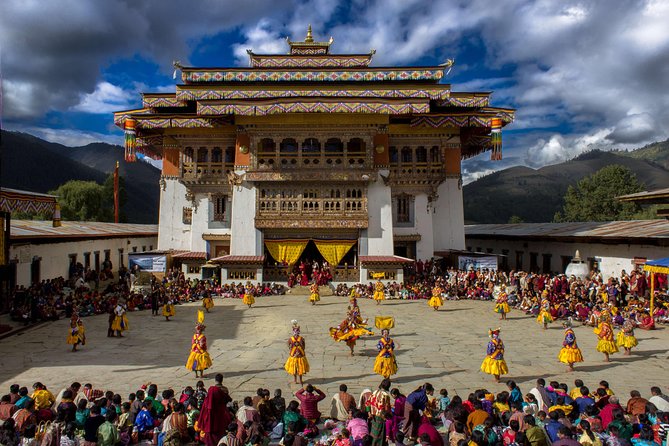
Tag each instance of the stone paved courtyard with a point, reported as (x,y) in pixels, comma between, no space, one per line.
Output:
(249,347)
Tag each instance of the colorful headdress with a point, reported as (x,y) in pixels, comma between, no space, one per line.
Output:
(296,327)
(200,327)
(544,293)
(494,333)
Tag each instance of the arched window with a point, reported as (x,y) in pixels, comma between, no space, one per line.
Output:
(421,154)
(407,156)
(288,145)
(392,152)
(311,145)
(202,155)
(267,145)
(355,145)
(216,155)
(334,145)
(435,154)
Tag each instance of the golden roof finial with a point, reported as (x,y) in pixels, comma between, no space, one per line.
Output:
(309,37)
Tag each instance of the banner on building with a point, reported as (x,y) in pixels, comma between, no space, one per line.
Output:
(478,263)
(148,262)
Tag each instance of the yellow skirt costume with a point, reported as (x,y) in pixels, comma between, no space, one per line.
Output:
(385,366)
(208,303)
(502,307)
(77,337)
(314,297)
(494,366)
(570,355)
(606,346)
(297,366)
(169,310)
(198,361)
(435,302)
(626,341)
(544,317)
(120,323)
(248,299)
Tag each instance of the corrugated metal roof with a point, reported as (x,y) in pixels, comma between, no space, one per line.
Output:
(613,229)
(646,195)
(36,229)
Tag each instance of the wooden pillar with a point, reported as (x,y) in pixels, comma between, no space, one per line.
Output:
(381,149)
(242,144)
(452,156)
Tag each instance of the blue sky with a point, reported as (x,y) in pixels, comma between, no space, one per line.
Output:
(582,74)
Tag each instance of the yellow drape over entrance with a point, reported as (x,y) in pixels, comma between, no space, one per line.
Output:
(334,250)
(286,251)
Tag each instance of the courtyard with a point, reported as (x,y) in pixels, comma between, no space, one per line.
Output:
(248,346)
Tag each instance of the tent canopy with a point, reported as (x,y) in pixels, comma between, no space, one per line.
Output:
(660,266)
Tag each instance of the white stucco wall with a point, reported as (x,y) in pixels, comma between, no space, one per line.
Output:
(246,240)
(55,256)
(379,234)
(448,217)
(172,233)
(612,258)
(199,224)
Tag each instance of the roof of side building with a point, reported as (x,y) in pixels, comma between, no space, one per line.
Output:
(636,231)
(43,229)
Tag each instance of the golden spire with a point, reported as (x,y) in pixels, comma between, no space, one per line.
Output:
(309,37)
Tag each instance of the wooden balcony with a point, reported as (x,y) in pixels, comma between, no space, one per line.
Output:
(211,172)
(318,160)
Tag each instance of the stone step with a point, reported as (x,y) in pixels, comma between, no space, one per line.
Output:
(299,290)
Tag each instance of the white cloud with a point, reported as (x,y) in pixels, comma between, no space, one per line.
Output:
(106,98)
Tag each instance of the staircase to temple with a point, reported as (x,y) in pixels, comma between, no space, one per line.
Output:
(299,290)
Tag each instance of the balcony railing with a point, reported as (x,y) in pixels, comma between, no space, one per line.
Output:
(302,160)
(200,170)
(314,207)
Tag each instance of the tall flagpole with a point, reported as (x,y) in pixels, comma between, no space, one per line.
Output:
(116,193)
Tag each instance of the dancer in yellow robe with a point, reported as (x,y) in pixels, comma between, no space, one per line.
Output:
(385,363)
(494,363)
(315,295)
(207,302)
(168,309)
(436,300)
(199,359)
(502,303)
(570,353)
(248,298)
(120,323)
(77,333)
(545,316)
(626,338)
(296,364)
(604,331)
(379,292)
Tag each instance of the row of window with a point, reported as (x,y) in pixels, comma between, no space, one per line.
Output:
(310,193)
(311,146)
(206,155)
(419,154)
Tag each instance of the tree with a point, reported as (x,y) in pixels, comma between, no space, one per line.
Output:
(594,197)
(516,219)
(82,201)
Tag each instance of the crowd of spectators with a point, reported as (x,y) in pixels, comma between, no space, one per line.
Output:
(552,414)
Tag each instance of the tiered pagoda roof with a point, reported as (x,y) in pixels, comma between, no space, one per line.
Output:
(309,79)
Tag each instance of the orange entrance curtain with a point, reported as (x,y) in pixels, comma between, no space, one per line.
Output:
(334,250)
(286,251)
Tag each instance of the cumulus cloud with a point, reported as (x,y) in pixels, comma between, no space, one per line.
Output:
(106,98)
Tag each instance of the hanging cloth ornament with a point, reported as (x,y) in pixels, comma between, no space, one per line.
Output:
(496,139)
(130,140)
